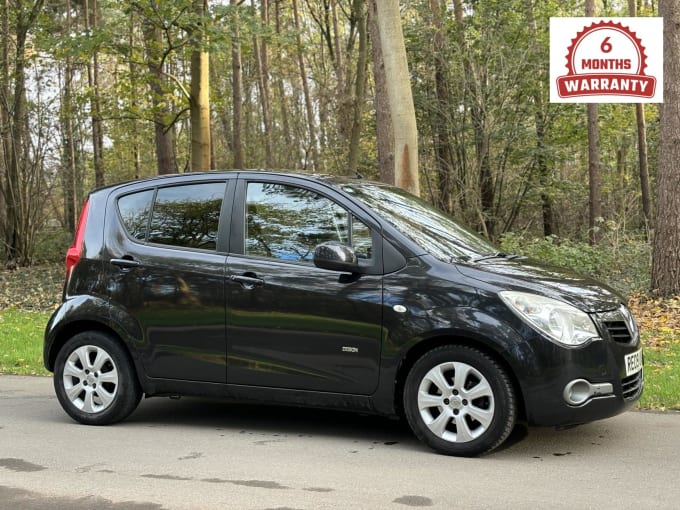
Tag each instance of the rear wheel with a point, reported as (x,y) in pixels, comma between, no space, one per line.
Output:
(459,401)
(95,380)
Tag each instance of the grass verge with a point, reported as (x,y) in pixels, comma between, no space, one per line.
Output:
(21,339)
(662,378)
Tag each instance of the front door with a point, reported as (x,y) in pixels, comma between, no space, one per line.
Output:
(289,323)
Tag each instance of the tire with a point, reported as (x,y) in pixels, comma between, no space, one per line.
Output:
(459,401)
(94,379)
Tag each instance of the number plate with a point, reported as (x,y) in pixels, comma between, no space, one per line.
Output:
(633,362)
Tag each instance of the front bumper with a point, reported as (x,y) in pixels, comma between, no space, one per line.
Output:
(588,383)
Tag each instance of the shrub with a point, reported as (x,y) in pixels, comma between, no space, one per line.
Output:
(623,262)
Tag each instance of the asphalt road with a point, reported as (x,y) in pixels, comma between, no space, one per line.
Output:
(203,454)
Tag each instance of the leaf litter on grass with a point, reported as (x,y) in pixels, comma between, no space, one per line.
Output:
(36,288)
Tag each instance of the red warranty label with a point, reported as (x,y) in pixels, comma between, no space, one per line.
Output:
(605,60)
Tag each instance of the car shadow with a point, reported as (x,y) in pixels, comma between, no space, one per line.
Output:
(271,419)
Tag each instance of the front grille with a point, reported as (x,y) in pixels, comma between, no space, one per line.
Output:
(632,386)
(618,331)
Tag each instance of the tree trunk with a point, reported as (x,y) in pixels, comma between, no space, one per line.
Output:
(17,191)
(666,253)
(95,101)
(359,9)
(199,102)
(69,169)
(383,119)
(236,90)
(544,174)
(595,198)
(284,158)
(642,152)
(5,135)
(136,151)
(462,177)
(399,95)
(262,63)
(311,123)
(166,160)
(442,144)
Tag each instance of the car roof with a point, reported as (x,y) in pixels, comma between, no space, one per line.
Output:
(333,180)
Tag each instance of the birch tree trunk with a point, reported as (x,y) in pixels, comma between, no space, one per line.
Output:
(399,95)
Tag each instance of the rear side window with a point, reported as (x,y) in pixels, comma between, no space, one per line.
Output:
(185,216)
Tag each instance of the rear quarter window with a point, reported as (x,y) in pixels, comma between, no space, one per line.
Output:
(134,211)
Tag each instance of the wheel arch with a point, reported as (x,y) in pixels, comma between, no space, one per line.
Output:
(422,347)
(71,329)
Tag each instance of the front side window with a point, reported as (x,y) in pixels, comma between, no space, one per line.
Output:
(287,222)
(187,216)
(431,229)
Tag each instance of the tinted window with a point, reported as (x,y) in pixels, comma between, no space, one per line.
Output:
(430,228)
(187,216)
(287,223)
(134,210)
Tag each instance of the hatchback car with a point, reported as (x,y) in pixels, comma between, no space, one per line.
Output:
(328,292)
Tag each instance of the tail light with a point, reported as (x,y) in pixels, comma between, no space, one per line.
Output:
(76,249)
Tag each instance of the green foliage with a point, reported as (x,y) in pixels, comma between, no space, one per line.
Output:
(623,263)
(51,246)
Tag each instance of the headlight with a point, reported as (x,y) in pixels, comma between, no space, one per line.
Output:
(555,319)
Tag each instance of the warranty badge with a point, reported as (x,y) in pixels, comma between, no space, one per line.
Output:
(606,60)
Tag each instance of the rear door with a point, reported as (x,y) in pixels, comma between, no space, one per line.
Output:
(289,323)
(167,262)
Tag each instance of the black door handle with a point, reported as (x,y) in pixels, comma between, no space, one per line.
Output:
(248,282)
(125,263)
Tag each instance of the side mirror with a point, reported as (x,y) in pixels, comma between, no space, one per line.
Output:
(336,257)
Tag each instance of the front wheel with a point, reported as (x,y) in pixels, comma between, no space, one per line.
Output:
(459,401)
(95,380)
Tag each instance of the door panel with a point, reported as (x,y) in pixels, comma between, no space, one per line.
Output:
(289,323)
(178,301)
(303,327)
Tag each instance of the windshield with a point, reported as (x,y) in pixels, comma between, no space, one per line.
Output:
(427,226)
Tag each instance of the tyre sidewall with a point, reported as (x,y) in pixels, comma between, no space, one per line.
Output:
(128,392)
(504,400)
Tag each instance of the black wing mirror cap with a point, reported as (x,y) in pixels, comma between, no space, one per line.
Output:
(336,257)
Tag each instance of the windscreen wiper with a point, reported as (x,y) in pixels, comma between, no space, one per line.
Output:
(498,255)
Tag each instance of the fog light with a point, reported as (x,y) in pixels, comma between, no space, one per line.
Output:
(578,391)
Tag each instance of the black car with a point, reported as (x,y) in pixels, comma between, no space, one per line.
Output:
(328,292)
